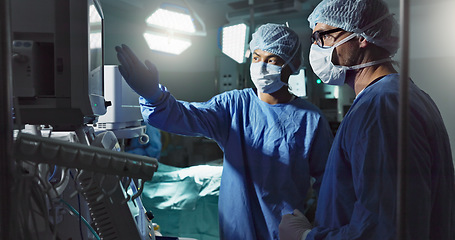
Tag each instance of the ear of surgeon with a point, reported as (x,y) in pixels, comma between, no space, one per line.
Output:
(345,54)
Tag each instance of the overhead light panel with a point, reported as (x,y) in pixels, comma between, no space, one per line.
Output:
(234,41)
(170,27)
(166,43)
(171,20)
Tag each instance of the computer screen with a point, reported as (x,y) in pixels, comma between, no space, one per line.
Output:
(125,111)
(297,84)
(96,36)
(58,60)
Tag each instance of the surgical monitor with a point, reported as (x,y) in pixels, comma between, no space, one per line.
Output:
(58,62)
(297,84)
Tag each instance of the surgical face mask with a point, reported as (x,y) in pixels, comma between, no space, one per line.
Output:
(321,62)
(266,77)
(329,73)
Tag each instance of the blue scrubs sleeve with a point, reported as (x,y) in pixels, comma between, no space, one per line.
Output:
(208,119)
(319,152)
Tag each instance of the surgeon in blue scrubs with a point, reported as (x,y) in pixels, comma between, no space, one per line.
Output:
(353,41)
(274,143)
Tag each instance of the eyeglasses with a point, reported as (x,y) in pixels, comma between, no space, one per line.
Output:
(317,36)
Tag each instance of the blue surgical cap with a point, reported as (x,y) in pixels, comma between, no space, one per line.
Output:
(281,41)
(355,15)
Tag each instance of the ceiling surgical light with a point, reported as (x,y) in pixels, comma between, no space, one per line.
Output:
(163,43)
(170,27)
(234,41)
(171,20)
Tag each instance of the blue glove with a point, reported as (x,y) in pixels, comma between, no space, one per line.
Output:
(142,78)
(294,226)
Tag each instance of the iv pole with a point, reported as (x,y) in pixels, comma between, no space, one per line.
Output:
(6,124)
(403,122)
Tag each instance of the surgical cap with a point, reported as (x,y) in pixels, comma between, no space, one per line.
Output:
(281,41)
(355,15)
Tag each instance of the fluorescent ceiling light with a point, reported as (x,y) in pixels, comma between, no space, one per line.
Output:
(234,41)
(167,44)
(171,20)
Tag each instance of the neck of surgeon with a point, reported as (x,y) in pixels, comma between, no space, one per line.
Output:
(359,79)
(281,96)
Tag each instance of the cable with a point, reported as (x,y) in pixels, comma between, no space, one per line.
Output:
(80,216)
(71,209)
(79,206)
(55,166)
(53,173)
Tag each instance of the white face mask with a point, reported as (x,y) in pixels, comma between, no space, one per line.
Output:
(266,77)
(321,61)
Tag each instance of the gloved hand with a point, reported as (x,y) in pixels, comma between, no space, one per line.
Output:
(293,226)
(143,79)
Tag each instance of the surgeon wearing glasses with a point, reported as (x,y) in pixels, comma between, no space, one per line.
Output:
(353,42)
(273,141)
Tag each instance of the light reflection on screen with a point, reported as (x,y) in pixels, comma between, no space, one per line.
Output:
(96,39)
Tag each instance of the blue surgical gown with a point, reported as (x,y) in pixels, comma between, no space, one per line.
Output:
(270,152)
(358,196)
